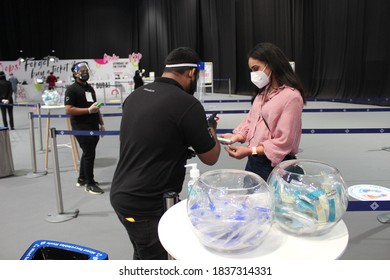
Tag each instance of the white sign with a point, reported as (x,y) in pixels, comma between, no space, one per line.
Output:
(208,68)
(111,76)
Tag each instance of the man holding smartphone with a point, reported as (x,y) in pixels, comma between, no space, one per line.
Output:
(160,122)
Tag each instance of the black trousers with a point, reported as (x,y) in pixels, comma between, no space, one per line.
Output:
(261,165)
(143,234)
(10,110)
(87,161)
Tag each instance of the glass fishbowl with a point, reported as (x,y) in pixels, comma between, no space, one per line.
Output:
(310,196)
(51,98)
(230,210)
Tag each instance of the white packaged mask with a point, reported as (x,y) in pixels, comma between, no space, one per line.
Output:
(259,78)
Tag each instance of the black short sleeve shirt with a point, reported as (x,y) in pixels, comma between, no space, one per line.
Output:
(160,122)
(77,95)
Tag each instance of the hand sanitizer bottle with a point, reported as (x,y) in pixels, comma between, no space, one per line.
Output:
(194,175)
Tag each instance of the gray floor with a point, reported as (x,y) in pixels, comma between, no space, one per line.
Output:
(26,202)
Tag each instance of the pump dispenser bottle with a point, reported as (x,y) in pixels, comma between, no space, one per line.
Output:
(194,175)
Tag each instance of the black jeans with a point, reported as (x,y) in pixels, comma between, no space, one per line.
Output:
(10,110)
(143,234)
(261,165)
(87,162)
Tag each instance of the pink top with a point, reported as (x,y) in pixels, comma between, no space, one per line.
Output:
(282,110)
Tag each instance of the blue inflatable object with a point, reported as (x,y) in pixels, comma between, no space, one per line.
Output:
(56,250)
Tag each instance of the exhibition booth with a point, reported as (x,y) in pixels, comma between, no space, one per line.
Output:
(111,76)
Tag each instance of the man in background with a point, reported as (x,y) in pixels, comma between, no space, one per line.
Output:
(6,101)
(14,82)
(81,105)
(51,81)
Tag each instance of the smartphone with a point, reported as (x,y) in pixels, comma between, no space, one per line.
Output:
(100,104)
(224,140)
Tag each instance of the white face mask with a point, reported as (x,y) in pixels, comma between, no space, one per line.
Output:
(259,78)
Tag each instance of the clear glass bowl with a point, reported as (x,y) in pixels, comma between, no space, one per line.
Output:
(51,98)
(230,210)
(310,196)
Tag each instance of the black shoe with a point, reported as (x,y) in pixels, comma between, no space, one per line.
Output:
(80,183)
(94,189)
(83,183)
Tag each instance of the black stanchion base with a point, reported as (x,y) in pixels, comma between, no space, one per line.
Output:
(384,218)
(63,217)
(36,174)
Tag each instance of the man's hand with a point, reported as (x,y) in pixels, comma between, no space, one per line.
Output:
(190,154)
(102,128)
(93,108)
(212,120)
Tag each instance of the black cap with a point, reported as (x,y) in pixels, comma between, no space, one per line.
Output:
(2,73)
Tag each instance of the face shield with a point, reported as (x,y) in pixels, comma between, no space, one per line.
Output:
(198,66)
(82,70)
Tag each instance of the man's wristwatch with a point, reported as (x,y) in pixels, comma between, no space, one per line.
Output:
(254,151)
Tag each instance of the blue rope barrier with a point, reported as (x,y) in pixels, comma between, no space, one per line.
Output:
(340,100)
(343,110)
(227,101)
(344,130)
(68,116)
(349,100)
(87,132)
(329,130)
(383,205)
(229,130)
(346,110)
(227,112)
(19,104)
(59,116)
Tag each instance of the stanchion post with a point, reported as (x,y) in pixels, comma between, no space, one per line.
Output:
(40,126)
(170,199)
(230,88)
(61,216)
(34,172)
(104,93)
(32,142)
(121,92)
(57,178)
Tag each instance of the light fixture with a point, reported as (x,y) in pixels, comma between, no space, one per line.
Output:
(51,57)
(21,56)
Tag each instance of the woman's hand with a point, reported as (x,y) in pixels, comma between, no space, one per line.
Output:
(233,137)
(238,152)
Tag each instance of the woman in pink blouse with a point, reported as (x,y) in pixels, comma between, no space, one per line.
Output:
(271,132)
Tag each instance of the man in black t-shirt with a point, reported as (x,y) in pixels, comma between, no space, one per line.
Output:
(80,103)
(160,121)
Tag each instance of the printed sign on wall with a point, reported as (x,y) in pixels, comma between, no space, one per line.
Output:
(110,75)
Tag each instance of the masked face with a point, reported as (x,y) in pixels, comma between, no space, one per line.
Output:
(82,72)
(259,78)
(84,76)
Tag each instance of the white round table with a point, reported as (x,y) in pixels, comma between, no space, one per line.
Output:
(176,235)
